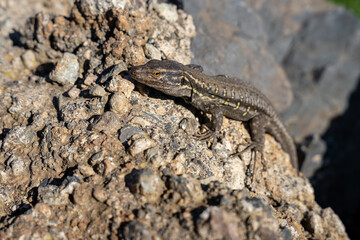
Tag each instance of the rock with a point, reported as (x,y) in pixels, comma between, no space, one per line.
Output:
(315,224)
(113,71)
(167,11)
(315,78)
(75,109)
(214,223)
(136,230)
(119,103)
(90,80)
(108,122)
(314,148)
(140,145)
(29,59)
(100,194)
(76,177)
(189,189)
(152,52)
(18,166)
(146,183)
(99,7)
(113,84)
(66,70)
(118,84)
(127,132)
(74,92)
(97,91)
(19,135)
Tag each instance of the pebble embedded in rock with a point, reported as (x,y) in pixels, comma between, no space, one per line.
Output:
(136,230)
(29,59)
(113,84)
(189,189)
(66,70)
(119,103)
(114,71)
(97,91)
(146,183)
(18,166)
(100,194)
(96,7)
(127,132)
(167,11)
(315,224)
(152,52)
(140,145)
(74,92)
(119,84)
(108,122)
(90,80)
(20,135)
(215,223)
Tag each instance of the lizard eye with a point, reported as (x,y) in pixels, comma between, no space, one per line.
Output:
(157,74)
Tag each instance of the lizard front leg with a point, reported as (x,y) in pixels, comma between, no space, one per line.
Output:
(217,116)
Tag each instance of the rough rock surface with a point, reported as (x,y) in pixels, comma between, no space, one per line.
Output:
(99,159)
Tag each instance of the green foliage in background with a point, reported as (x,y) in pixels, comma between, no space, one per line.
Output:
(353,5)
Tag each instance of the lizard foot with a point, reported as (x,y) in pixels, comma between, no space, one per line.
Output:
(208,134)
(254,148)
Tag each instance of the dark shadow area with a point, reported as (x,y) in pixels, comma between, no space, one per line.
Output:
(15,38)
(178,3)
(44,69)
(337,182)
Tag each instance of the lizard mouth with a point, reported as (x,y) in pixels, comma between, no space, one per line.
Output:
(144,77)
(134,73)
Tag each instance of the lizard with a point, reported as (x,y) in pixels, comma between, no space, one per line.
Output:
(218,96)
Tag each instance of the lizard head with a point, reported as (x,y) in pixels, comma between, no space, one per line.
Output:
(165,76)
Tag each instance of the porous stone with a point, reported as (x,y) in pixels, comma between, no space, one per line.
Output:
(214,223)
(74,92)
(140,145)
(119,103)
(20,135)
(127,132)
(146,183)
(100,194)
(167,11)
(66,70)
(152,52)
(97,91)
(29,59)
(90,80)
(99,6)
(108,122)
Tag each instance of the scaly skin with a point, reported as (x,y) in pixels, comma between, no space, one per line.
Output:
(219,96)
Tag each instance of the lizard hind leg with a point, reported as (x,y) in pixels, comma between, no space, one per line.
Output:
(257,132)
(253,158)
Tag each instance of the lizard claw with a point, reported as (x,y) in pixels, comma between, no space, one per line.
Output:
(208,134)
(204,136)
